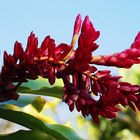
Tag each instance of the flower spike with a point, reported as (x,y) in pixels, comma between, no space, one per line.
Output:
(83,82)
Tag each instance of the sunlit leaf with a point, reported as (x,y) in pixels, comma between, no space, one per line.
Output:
(57,131)
(55,91)
(40,83)
(29,109)
(42,87)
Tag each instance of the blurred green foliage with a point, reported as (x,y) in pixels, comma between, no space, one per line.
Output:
(125,127)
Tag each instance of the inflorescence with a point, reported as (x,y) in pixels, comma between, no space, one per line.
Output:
(77,68)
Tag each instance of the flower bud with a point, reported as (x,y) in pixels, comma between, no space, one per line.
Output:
(77,25)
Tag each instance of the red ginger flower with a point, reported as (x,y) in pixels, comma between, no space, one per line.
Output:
(78,92)
(31,63)
(81,97)
(82,81)
(83,54)
(111,89)
(34,61)
(86,82)
(124,59)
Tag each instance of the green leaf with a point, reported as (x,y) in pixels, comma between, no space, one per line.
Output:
(66,131)
(40,83)
(30,109)
(26,135)
(55,91)
(57,131)
(41,86)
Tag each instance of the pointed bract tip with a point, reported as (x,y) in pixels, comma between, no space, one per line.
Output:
(16,42)
(86,24)
(32,32)
(87,19)
(77,25)
(78,16)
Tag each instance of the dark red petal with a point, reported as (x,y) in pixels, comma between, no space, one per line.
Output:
(87,25)
(132,97)
(43,50)
(18,50)
(71,107)
(125,89)
(81,101)
(5,59)
(77,106)
(107,114)
(32,45)
(62,50)
(51,75)
(102,73)
(95,87)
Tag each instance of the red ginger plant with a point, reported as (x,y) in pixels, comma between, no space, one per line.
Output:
(77,69)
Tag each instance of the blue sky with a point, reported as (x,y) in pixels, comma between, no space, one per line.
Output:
(118,21)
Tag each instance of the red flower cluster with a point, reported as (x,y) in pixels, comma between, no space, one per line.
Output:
(124,59)
(83,82)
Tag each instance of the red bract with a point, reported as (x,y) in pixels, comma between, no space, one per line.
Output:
(77,25)
(7,92)
(93,92)
(83,54)
(124,59)
(32,45)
